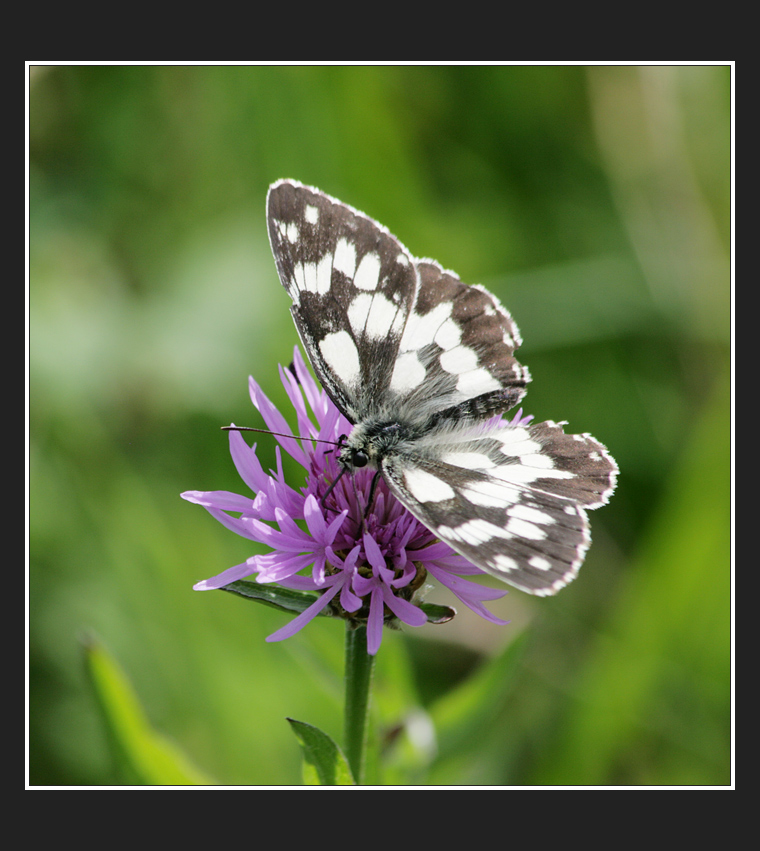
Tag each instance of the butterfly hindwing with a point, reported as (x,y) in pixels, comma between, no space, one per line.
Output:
(458,345)
(512,499)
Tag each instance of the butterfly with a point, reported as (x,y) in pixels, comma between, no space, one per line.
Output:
(423,367)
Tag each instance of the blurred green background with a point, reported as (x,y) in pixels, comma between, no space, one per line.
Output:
(594,201)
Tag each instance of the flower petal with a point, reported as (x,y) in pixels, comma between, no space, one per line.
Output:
(300,622)
(232,574)
(243,526)
(375,622)
(376,558)
(470,593)
(403,609)
(276,566)
(247,463)
(315,519)
(306,427)
(317,399)
(275,422)
(221,500)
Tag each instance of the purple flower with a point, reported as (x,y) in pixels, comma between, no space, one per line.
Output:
(368,569)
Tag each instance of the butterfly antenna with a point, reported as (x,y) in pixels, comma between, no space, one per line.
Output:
(278,434)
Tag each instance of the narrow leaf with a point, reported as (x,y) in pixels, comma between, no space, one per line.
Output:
(324,763)
(284,599)
(145,756)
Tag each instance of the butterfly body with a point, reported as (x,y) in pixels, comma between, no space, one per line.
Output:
(423,367)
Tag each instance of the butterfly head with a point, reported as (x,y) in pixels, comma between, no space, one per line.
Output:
(353,458)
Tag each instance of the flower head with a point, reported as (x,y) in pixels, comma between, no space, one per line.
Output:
(368,565)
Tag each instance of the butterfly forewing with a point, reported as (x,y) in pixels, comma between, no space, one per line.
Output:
(353,285)
(405,348)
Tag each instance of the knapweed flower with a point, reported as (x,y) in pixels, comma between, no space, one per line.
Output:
(369,566)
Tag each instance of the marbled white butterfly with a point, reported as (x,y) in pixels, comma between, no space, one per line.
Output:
(423,365)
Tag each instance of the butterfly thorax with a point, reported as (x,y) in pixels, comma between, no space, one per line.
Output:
(374,439)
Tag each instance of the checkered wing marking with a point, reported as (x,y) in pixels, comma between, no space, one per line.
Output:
(512,500)
(352,284)
(458,345)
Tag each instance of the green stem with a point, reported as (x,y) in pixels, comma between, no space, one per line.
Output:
(359,665)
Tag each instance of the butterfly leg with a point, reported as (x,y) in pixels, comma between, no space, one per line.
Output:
(335,481)
(371,497)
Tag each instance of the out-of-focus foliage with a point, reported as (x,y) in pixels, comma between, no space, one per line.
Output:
(594,201)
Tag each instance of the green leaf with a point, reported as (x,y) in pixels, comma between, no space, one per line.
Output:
(437,613)
(284,599)
(145,756)
(288,600)
(324,763)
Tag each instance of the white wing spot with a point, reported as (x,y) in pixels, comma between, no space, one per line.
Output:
(340,354)
(537,460)
(408,373)
(468,460)
(474,532)
(523,529)
(477,382)
(505,563)
(516,442)
(316,277)
(521,474)
(373,314)
(311,214)
(426,487)
(345,257)
(449,335)
(422,330)
(540,563)
(459,360)
(491,494)
(511,435)
(368,272)
(532,515)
